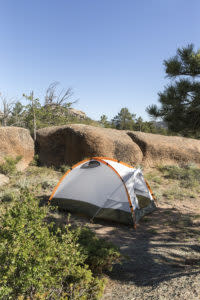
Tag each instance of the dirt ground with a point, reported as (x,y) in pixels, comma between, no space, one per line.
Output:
(161,258)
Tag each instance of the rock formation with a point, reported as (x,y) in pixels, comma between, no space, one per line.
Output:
(71,143)
(77,113)
(16,141)
(161,149)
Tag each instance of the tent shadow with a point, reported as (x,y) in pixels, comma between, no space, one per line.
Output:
(165,245)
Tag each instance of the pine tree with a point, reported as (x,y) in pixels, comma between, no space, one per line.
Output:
(180,100)
(124,119)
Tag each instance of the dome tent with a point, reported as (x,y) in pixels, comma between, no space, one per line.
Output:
(105,188)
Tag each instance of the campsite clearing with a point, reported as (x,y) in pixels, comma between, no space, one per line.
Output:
(162,258)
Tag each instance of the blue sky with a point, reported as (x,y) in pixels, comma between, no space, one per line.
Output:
(110,52)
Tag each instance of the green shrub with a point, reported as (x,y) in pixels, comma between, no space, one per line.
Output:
(9,166)
(46,185)
(35,161)
(64,168)
(8,197)
(40,261)
(100,254)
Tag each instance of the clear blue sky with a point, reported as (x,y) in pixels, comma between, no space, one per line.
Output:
(110,52)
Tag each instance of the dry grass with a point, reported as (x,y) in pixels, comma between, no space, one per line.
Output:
(175,183)
(40,181)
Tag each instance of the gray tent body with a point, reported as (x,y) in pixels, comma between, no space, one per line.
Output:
(106,189)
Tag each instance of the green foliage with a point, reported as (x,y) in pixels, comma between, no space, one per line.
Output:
(104,121)
(186,62)
(45,185)
(49,115)
(9,166)
(179,102)
(127,121)
(8,197)
(124,120)
(55,111)
(100,254)
(189,175)
(35,161)
(40,261)
(64,168)
(149,127)
(17,115)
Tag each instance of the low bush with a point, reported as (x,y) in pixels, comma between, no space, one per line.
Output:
(100,254)
(47,185)
(35,161)
(40,261)
(64,168)
(9,166)
(8,197)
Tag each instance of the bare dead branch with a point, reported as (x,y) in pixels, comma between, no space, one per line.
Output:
(59,98)
(6,108)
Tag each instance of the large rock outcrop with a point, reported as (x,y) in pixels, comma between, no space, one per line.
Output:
(72,143)
(15,141)
(77,113)
(160,149)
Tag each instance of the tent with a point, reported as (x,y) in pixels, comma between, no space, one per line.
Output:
(105,188)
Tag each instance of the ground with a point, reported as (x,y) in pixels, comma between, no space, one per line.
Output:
(161,259)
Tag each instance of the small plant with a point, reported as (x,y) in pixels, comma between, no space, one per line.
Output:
(64,168)
(8,197)
(153,178)
(9,166)
(35,161)
(45,185)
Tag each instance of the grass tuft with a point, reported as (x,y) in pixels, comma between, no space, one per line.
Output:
(189,175)
(9,166)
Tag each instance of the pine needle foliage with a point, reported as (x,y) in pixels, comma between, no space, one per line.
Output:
(180,101)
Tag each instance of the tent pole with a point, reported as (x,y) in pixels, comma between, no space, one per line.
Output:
(91,220)
(98,210)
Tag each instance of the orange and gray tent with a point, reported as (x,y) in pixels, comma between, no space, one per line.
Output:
(104,188)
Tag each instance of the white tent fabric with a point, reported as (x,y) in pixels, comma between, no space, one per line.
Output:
(107,185)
